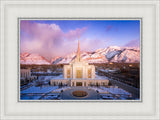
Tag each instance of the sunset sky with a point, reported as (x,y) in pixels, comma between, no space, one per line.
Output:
(52,38)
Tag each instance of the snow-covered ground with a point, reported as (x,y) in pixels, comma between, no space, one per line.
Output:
(100,77)
(98,89)
(58,77)
(46,78)
(116,90)
(34,89)
(60,89)
(112,90)
(109,71)
(33,97)
(51,97)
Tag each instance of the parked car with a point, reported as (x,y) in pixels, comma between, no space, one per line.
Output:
(108,97)
(52,97)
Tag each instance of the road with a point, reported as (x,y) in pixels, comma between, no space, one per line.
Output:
(134,91)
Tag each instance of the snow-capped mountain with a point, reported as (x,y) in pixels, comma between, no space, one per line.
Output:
(128,55)
(109,54)
(56,60)
(68,58)
(27,58)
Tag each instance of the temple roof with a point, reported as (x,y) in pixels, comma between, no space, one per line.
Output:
(78,56)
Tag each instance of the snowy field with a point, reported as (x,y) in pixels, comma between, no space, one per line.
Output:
(98,89)
(47,78)
(58,77)
(60,89)
(33,97)
(100,77)
(112,90)
(34,89)
(116,90)
(113,93)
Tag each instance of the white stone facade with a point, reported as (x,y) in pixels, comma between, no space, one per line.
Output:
(79,82)
(85,71)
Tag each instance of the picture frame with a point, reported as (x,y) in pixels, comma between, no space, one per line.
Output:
(85,99)
(147,109)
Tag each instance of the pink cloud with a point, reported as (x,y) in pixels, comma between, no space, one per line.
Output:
(72,34)
(133,43)
(48,39)
(88,44)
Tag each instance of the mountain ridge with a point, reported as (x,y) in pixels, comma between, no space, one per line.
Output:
(102,55)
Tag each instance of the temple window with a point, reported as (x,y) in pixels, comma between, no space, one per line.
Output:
(68,73)
(78,73)
(89,73)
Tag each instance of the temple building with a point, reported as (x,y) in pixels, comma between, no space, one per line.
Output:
(79,69)
(79,73)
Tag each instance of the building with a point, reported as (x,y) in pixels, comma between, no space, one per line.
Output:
(79,73)
(79,69)
(25,74)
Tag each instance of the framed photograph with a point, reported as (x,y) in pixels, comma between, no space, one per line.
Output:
(80,60)
(99,68)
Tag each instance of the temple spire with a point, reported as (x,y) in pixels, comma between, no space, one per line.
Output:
(78,51)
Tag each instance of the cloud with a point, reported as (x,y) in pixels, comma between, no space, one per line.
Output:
(109,27)
(72,34)
(48,39)
(133,43)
